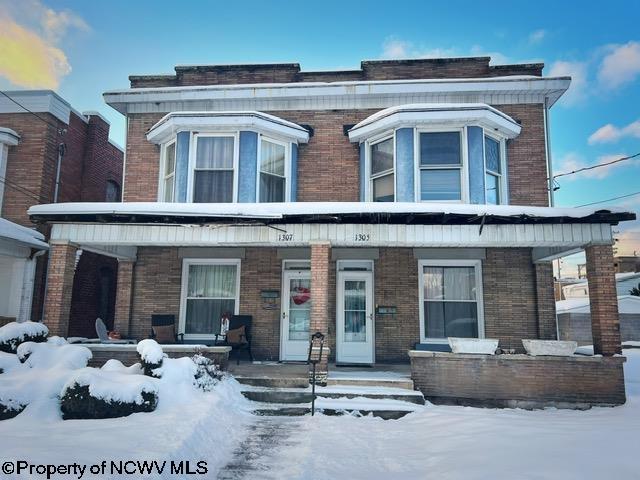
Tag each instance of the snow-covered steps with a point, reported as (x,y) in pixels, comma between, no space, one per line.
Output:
(369,378)
(298,395)
(274,381)
(360,407)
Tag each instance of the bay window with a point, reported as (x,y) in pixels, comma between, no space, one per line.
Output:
(213,173)
(169,173)
(382,171)
(210,289)
(451,299)
(440,164)
(272,177)
(493,171)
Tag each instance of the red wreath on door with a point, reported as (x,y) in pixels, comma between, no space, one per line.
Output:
(300,295)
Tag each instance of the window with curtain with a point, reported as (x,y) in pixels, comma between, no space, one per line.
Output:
(440,166)
(272,171)
(213,173)
(211,293)
(112,193)
(169,173)
(493,173)
(382,175)
(450,304)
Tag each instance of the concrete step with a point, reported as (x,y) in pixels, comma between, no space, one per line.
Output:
(406,383)
(274,382)
(292,395)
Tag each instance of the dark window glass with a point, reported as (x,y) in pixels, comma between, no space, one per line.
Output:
(440,148)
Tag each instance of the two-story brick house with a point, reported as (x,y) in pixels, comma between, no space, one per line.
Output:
(389,207)
(50,153)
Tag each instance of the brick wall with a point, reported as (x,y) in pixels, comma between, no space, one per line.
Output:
(328,164)
(519,380)
(546,301)
(476,67)
(61,271)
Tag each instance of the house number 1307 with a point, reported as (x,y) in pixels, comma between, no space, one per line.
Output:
(285,237)
(361,237)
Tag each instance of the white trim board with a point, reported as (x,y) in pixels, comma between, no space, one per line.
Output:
(338,95)
(569,236)
(39,101)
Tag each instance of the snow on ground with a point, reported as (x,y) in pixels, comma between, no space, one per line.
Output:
(470,443)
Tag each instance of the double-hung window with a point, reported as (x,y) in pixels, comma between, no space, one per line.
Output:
(210,289)
(493,171)
(451,299)
(169,173)
(273,159)
(213,173)
(440,166)
(382,176)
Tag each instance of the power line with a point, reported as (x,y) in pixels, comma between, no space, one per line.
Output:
(596,166)
(60,131)
(610,199)
(25,191)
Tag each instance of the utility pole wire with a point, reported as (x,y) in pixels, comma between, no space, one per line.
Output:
(609,199)
(597,166)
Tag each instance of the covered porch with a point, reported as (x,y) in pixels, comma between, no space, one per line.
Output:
(365,279)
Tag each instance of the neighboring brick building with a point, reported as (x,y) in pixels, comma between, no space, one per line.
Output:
(56,138)
(255,189)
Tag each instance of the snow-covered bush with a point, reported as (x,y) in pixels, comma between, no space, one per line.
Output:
(207,373)
(14,333)
(93,393)
(40,372)
(8,362)
(114,365)
(151,355)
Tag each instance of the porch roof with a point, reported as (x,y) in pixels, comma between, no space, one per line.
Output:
(322,212)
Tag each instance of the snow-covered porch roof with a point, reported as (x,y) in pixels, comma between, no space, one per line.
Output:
(13,233)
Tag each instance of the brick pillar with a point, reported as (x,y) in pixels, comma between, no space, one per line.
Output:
(124,290)
(545,301)
(605,325)
(62,265)
(320,261)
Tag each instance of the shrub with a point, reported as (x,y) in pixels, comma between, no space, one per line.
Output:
(207,373)
(14,333)
(10,410)
(151,356)
(78,403)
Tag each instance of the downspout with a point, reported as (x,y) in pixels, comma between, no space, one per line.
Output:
(547,144)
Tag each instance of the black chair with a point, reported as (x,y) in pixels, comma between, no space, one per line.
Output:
(241,341)
(163,329)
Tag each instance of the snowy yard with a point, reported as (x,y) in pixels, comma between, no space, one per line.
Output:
(436,442)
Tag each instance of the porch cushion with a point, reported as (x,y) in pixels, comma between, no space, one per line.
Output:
(164,333)
(236,336)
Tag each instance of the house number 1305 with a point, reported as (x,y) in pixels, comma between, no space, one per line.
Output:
(361,237)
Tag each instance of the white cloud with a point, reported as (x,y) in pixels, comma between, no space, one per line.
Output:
(621,65)
(578,72)
(628,241)
(497,58)
(537,36)
(610,133)
(574,161)
(30,35)
(396,48)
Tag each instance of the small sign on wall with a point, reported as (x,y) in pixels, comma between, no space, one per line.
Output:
(270,299)
(386,310)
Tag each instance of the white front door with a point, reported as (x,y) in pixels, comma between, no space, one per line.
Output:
(296,315)
(354,320)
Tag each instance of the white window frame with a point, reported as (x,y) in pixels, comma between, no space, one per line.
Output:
(186,263)
(368,164)
(193,145)
(477,264)
(502,187)
(464,163)
(287,166)
(162,177)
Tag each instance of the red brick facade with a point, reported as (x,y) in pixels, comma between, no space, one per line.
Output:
(89,161)
(61,272)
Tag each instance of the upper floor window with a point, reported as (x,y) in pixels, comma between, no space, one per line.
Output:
(169,173)
(382,176)
(112,193)
(213,172)
(493,171)
(273,180)
(440,156)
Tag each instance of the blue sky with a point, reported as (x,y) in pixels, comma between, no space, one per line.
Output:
(86,48)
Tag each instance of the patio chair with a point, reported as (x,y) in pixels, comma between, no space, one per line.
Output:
(238,336)
(163,329)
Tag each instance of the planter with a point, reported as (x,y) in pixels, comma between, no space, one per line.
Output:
(483,346)
(556,348)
